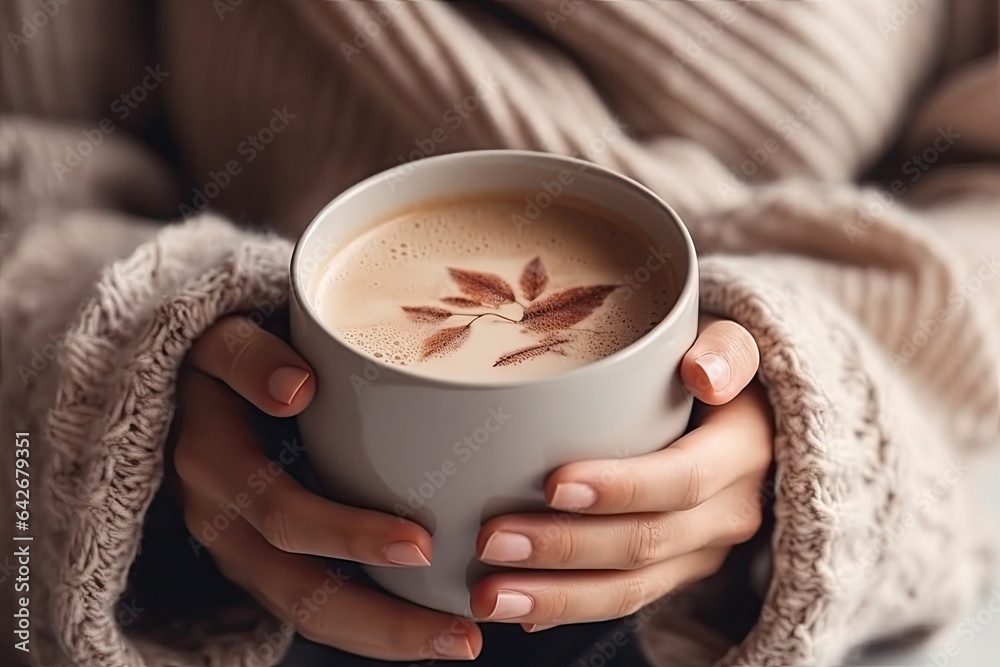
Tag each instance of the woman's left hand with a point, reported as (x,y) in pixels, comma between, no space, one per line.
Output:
(656,522)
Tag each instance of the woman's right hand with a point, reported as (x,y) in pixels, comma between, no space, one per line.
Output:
(275,548)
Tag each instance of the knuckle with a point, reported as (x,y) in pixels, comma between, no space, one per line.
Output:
(558,601)
(645,540)
(628,491)
(358,545)
(557,546)
(694,488)
(239,350)
(275,527)
(633,596)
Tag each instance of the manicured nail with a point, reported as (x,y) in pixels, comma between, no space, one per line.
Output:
(460,649)
(718,374)
(511,604)
(527,627)
(573,496)
(504,547)
(285,383)
(406,553)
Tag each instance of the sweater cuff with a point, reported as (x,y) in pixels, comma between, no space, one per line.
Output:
(873,532)
(866,508)
(107,430)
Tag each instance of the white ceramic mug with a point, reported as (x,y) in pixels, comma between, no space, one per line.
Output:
(451,455)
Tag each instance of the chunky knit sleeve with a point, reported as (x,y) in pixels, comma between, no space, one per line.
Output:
(882,360)
(97,310)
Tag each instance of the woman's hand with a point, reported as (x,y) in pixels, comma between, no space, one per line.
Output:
(272,548)
(633,530)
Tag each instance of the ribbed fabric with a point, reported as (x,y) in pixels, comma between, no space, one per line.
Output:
(876,315)
(704,110)
(69,60)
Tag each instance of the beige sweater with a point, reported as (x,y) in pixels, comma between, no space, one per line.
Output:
(875,308)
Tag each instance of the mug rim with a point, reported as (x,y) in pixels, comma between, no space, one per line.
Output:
(687,293)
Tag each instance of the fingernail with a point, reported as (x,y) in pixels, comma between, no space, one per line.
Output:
(718,374)
(573,496)
(504,547)
(461,648)
(511,604)
(527,627)
(406,553)
(285,383)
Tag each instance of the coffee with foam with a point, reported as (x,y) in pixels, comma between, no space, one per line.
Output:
(470,289)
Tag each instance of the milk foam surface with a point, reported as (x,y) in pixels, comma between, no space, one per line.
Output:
(392,291)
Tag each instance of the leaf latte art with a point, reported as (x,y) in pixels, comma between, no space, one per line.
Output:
(455,289)
(558,312)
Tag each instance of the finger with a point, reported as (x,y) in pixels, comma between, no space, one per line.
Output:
(258,365)
(322,603)
(555,598)
(733,441)
(721,362)
(620,542)
(218,455)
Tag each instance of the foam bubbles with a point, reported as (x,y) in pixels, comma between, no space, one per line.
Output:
(404,262)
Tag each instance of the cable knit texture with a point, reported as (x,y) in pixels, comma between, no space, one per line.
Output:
(876,309)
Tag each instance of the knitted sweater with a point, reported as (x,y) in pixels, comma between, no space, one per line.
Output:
(875,307)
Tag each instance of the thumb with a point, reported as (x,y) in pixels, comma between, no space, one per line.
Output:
(721,362)
(258,365)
